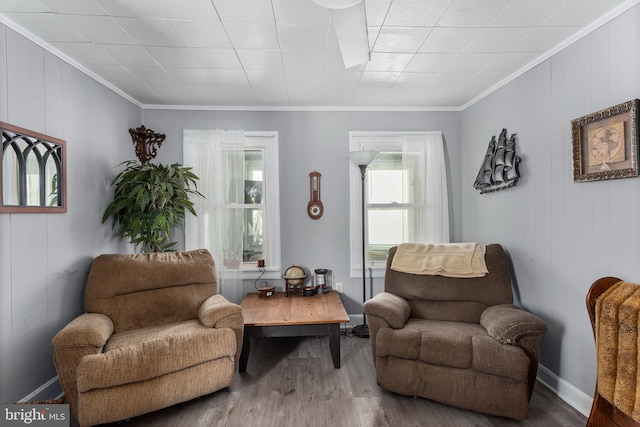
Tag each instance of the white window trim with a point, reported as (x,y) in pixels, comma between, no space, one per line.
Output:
(369,140)
(269,142)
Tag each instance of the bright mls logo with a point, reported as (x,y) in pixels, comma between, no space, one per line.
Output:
(35,415)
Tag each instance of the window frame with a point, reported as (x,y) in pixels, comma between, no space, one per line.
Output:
(268,143)
(368,140)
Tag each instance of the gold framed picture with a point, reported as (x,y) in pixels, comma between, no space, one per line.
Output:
(605,143)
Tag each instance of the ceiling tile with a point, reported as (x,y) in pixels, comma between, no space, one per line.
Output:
(388,61)
(337,95)
(173,57)
(376,11)
(378,78)
(73,7)
(472,13)
(128,54)
(255,59)
(297,12)
(252,36)
(449,40)
(256,11)
(266,78)
(84,53)
(151,32)
(182,94)
(418,13)
(303,37)
(191,76)
(100,29)
(232,77)
(216,58)
(149,74)
(485,79)
(305,95)
(201,34)
(194,10)
(453,79)
(303,77)
(527,13)
(111,72)
(416,79)
(341,78)
(23,6)
(238,95)
(48,27)
(582,12)
(472,62)
(400,39)
(511,61)
(497,40)
(542,39)
(272,95)
(301,60)
(430,62)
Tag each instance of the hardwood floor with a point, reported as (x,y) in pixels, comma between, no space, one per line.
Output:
(292,382)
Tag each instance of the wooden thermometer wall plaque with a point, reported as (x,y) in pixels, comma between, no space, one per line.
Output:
(314,207)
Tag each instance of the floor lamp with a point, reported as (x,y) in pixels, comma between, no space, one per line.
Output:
(362,159)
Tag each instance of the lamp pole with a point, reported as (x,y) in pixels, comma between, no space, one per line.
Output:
(362,160)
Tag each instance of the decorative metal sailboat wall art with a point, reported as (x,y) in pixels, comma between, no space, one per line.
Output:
(499,168)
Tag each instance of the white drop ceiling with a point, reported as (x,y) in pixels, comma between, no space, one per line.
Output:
(283,54)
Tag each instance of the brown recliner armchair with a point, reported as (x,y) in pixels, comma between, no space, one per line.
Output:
(459,341)
(155,333)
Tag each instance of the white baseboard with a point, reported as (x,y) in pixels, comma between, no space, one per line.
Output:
(575,397)
(32,396)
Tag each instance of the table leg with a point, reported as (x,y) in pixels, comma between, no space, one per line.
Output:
(244,354)
(334,343)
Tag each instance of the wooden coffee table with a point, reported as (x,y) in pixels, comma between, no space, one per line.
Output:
(292,316)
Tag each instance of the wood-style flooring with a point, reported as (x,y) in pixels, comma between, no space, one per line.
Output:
(292,382)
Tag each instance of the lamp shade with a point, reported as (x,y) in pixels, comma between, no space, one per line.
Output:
(362,157)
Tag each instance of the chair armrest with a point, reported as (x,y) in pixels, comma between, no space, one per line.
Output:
(216,309)
(217,312)
(85,335)
(89,329)
(391,308)
(508,323)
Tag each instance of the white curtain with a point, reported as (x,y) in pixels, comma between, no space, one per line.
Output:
(217,158)
(425,153)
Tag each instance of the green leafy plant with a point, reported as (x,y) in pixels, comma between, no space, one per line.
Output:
(149,201)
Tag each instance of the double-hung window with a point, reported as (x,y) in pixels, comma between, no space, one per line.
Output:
(239,218)
(405,195)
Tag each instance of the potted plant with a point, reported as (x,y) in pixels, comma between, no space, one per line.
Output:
(149,201)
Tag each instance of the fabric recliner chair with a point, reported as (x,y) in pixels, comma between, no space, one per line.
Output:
(458,341)
(155,333)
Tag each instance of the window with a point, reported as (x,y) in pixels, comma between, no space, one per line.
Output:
(405,195)
(239,219)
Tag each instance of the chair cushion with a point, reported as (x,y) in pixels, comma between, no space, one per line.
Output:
(147,353)
(455,345)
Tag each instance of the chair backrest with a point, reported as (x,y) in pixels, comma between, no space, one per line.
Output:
(603,411)
(141,290)
(453,299)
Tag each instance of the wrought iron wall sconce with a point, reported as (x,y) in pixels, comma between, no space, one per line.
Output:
(146,142)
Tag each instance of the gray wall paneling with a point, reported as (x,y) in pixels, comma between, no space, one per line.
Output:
(44,258)
(561,235)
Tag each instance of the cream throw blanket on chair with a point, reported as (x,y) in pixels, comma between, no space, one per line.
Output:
(445,259)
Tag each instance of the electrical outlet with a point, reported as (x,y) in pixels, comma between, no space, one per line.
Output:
(339,286)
